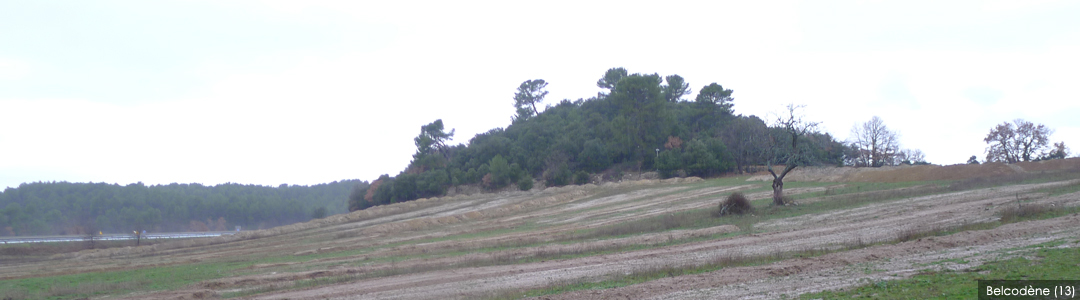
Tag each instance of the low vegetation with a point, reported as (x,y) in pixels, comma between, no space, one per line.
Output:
(736,204)
(1044,262)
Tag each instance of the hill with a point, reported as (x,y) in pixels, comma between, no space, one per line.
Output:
(641,122)
(638,239)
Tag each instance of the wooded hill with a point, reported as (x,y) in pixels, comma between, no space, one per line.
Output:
(619,130)
(48,208)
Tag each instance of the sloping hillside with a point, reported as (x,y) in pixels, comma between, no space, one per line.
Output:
(639,239)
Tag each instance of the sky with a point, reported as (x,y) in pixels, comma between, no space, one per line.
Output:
(309,92)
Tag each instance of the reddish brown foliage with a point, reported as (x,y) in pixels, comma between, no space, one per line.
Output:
(198,226)
(673,142)
(371,190)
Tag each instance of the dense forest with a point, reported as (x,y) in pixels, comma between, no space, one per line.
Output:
(640,122)
(46,208)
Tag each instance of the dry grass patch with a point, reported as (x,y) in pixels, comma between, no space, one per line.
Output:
(1024,212)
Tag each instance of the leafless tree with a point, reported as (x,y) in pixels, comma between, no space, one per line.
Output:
(1016,141)
(745,136)
(793,125)
(90,233)
(875,145)
(909,156)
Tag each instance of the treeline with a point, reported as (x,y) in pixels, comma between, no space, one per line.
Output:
(47,208)
(640,122)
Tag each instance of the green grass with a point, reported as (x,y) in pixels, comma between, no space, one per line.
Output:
(654,273)
(1061,190)
(1047,263)
(116,282)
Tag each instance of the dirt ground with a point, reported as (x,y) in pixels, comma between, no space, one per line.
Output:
(811,232)
(487,245)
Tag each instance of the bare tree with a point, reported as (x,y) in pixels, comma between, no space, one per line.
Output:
(90,232)
(793,126)
(1016,141)
(745,136)
(910,157)
(874,144)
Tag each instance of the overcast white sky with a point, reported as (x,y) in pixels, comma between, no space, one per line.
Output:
(307,92)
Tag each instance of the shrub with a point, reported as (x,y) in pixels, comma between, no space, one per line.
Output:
(432,183)
(595,156)
(581,177)
(317,213)
(525,183)
(500,172)
(558,177)
(669,162)
(1030,211)
(735,203)
(697,159)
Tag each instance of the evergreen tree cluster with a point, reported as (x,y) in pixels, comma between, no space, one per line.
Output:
(48,208)
(627,127)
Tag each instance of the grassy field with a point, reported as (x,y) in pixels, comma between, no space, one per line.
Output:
(1043,262)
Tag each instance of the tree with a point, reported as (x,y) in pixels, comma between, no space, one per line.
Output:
(1059,151)
(559,176)
(499,171)
(357,199)
(594,156)
(611,78)
(676,88)
(911,157)
(792,126)
(698,160)
(529,93)
(90,232)
(581,177)
(669,162)
(874,144)
(1016,141)
(525,183)
(973,160)
(716,95)
(432,183)
(638,98)
(317,213)
(746,136)
(432,138)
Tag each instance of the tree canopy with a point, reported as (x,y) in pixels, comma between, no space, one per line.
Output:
(623,129)
(529,93)
(1017,141)
(49,208)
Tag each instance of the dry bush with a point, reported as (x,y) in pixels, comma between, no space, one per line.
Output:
(735,203)
(1013,214)
(914,233)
